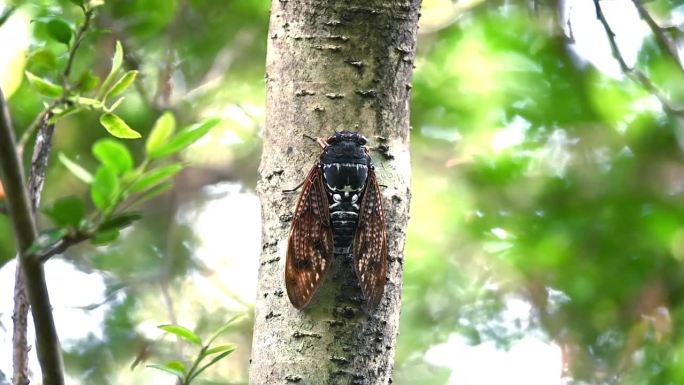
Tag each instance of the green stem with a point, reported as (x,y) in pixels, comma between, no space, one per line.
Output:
(190,375)
(47,342)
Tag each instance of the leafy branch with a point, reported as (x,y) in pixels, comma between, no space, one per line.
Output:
(186,374)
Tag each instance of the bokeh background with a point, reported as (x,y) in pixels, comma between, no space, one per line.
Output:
(546,242)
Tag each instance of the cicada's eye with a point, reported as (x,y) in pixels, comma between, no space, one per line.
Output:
(360,140)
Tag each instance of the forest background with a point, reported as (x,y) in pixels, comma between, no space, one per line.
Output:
(546,238)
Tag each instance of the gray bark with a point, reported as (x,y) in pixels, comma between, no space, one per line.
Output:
(332,65)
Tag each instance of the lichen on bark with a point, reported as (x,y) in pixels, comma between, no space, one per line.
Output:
(332,65)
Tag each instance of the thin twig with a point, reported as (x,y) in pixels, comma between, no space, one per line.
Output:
(633,73)
(80,34)
(23,223)
(663,41)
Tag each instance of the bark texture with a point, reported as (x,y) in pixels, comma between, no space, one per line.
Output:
(332,65)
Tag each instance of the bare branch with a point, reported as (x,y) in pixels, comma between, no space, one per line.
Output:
(664,42)
(633,73)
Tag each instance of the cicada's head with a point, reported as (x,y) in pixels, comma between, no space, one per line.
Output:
(345,147)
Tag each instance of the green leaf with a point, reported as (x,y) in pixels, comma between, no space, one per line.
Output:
(104,188)
(68,211)
(113,155)
(161,132)
(117,127)
(59,30)
(183,333)
(184,138)
(221,349)
(46,239)
(166,369)
(78,171)
(42,59)
(225,327)
(155,177)
(120,86)
(117,59)
(43,86)
(119,222)
(104,237)
(176,365)
(212,362)
(87,81)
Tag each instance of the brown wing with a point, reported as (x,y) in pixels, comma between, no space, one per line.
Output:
(310,247)
(370,244)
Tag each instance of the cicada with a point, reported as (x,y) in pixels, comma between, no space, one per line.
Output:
(339,212)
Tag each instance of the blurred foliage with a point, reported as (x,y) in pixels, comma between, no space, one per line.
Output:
(536,178)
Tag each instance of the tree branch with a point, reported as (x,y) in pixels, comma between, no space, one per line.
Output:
(47,342)
(633,73)
(664,42)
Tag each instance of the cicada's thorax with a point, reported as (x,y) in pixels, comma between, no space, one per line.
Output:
(345,173)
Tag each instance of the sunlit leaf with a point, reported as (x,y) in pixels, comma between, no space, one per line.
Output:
(155,177)
(59,30)
(182,332)
(117,59)
(161,132)
(220,349)
(78,171)
(113,154)
(104,188)
(117,127)
(43,86)
(184,138)
(176,365)
(68,211)
(42,59)
(122,84)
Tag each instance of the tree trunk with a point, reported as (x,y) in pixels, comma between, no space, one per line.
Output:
(332,65)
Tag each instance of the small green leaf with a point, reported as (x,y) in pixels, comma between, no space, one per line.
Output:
(184,138)
(163,368)
(220,349)
(183,333)
(78,171)
(155,177)
(119,222)
(161,132)
(117,59)
(104,237)
(59,30)
(43,86)
(46,239)
(87,81)
(113,154)
(225,327)
(120,86)
(176,365)
(68,211)
(212,362)
(104,188)
(117,127)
